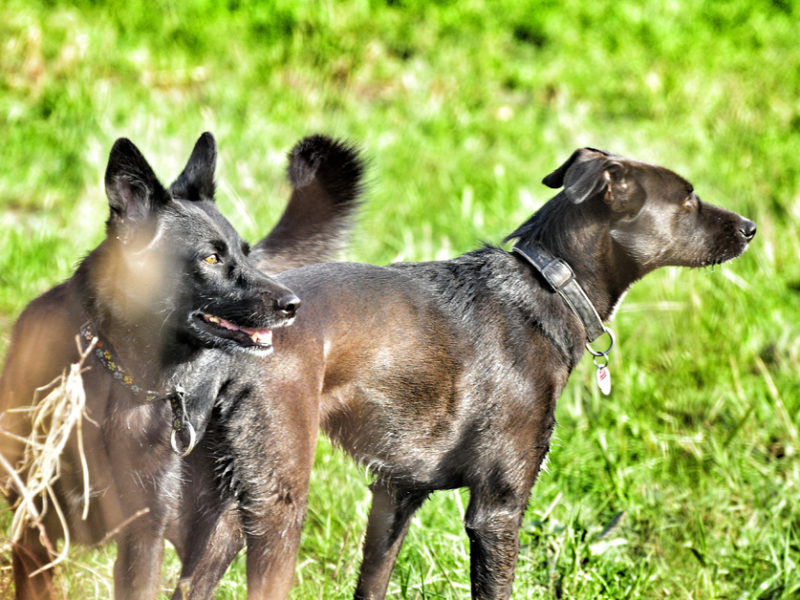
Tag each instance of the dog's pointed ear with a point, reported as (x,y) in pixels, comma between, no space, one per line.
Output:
(134,192)
(196,181)
(580,175)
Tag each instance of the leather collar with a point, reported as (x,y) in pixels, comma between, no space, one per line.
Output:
(561,278)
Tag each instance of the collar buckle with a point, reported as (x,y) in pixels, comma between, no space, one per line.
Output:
(560,276)
(557,273)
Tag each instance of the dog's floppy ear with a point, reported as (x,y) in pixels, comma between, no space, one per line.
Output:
(133,190)
(580,174)
(196,182)
(623,192)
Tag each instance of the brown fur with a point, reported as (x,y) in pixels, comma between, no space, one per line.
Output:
(446,374)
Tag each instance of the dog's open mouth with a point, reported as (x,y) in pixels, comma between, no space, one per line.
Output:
(243,336)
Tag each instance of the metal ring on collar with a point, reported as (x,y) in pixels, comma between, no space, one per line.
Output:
(594,352)
(192,440)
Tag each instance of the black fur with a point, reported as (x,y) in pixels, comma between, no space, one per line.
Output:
(319,169)
(446,374)
(175,298)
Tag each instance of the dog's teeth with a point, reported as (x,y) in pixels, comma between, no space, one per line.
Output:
(212,318)
(262,338)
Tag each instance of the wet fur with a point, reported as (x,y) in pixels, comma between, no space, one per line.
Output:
(446,374)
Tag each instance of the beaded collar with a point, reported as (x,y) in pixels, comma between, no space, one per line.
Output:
(177,398)
(103,354)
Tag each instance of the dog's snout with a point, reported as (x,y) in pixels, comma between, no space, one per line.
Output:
(287,305)
(748,229)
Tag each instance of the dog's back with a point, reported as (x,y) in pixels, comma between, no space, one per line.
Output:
(31,363)
(426,356)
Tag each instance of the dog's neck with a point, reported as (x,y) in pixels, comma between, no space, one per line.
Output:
(144,344)
(561,278)
(604,270)
(580,236)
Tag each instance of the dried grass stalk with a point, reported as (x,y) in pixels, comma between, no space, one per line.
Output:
(52,420)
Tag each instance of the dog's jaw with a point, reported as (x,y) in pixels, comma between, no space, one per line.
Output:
(260,337)
(220,332)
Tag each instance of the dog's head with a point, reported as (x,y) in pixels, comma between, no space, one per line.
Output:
(173,263)
(655,214)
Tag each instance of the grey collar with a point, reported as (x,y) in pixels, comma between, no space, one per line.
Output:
(561,278)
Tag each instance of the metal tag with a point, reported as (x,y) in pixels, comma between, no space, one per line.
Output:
(604,380)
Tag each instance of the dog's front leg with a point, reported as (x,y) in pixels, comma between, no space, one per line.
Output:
(272,509)
(387,528)
(214,539)
(29,555)
(140,551)
(493,530)
(272,552)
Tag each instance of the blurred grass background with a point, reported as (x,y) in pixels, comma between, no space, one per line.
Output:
(682,484)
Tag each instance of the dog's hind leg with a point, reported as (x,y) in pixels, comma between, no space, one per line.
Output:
(493,524)
(387,527)
(28,555)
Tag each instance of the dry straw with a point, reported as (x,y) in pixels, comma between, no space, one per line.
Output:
(53,419)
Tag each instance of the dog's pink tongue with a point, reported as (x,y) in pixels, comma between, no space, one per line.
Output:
(262,337)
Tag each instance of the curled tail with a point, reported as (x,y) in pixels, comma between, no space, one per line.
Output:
(327,180)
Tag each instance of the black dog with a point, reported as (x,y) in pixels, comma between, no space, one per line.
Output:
(171,294)
(446,374)
(270,499)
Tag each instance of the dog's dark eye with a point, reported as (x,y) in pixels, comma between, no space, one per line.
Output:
(211,259)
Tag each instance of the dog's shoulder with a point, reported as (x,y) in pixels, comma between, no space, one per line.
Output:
(52,311)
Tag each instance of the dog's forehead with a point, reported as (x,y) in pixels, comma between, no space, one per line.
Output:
(203,218)
(667,177)
(649,172)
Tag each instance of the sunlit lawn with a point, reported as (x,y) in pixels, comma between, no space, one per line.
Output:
(683,483)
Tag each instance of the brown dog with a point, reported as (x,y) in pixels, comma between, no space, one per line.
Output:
(172,293)
(445,374)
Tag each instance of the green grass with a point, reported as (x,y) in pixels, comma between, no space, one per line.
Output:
(683,484)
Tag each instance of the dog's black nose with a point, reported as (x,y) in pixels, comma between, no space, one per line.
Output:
(287,305)
(748,229)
